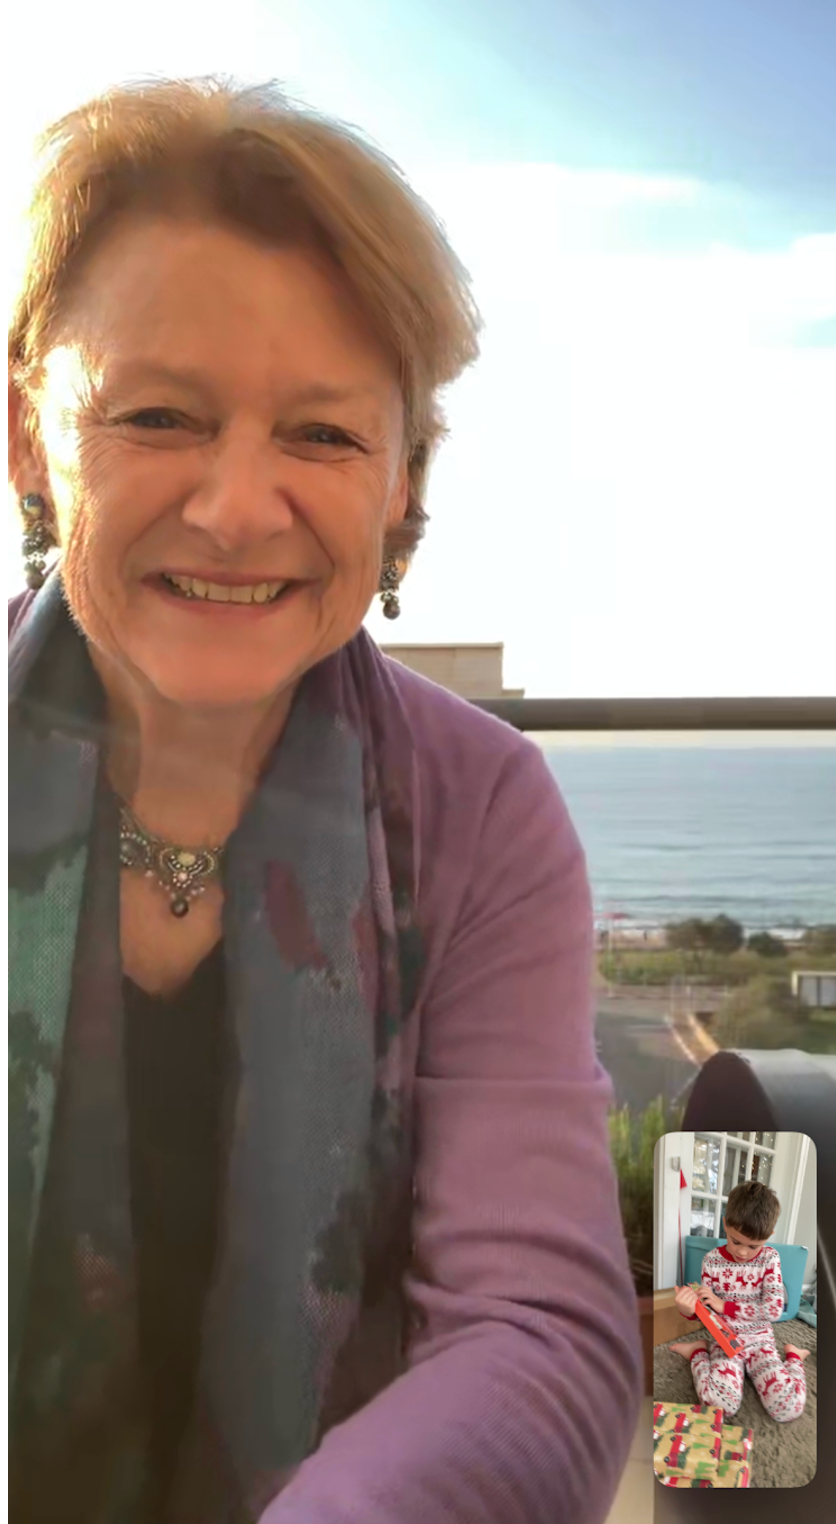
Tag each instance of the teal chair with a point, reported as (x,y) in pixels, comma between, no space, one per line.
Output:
(793,1264)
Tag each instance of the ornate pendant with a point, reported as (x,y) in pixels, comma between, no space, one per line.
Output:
(181,872)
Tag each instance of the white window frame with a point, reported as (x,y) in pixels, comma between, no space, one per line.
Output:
(675,1151)
(789,1159)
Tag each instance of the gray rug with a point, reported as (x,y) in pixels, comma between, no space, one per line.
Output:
(783,1454)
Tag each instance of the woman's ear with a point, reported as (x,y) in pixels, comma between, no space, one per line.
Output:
(399,499)
(27,468)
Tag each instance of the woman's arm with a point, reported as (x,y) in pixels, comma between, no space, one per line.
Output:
(524,1384)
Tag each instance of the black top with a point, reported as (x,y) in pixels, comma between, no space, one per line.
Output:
(176,1060)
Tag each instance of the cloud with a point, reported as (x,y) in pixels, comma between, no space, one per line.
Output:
(560,249)
(534,188)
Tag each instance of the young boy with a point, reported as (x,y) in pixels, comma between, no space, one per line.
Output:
(742,1281)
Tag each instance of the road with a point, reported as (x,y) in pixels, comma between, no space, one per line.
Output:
(638,1049)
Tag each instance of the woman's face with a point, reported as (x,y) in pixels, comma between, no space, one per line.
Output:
(221,439)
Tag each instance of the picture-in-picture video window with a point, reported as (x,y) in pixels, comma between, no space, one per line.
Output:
(735,1310)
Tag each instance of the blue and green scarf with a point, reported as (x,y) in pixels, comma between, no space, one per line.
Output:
(323,958)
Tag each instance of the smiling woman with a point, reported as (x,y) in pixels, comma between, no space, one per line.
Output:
(312,1204)
(228,470)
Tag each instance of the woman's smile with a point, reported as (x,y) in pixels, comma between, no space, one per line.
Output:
(225,596)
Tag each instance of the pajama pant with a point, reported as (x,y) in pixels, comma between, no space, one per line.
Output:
(780,1384)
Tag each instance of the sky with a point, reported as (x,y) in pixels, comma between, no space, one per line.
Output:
(638,495)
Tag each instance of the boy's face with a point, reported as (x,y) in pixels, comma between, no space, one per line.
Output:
(739,1246)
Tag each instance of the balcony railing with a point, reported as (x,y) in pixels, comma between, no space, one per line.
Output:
(641,714)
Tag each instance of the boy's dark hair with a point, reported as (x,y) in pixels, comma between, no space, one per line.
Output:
(753,1209)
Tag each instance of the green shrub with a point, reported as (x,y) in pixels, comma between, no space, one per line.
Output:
(820,941)
(766,946)
(766,1014)
(633,1140)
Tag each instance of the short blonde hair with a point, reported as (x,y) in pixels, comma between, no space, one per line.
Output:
(252,158)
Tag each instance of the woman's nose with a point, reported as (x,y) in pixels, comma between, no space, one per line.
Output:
(243,499)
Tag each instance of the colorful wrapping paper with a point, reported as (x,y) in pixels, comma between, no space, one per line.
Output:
(733,1474)
(692,1447)
(734,1466)
(737,1442)
(687,1442)
(669,1419)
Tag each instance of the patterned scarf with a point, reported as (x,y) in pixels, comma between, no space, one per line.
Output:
(323,957)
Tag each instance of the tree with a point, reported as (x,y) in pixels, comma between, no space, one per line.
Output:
(724,935)
(820,941)
(721,936)
(766,946)
(687,936)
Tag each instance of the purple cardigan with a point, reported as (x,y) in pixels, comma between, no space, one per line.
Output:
(524,1381)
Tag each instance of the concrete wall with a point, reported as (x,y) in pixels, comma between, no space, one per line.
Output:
(474,672)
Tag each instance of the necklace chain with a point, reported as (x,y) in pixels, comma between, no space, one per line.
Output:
(181,872)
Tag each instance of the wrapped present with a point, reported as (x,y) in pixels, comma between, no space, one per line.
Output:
(670,1480)
(736,1442)
(669,1418)
(696,1471)
(687,1444)
(734,1468)
(707,1419)
(685,1455)
(693,1447)
(733,1474)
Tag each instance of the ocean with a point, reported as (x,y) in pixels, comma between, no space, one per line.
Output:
(672,832)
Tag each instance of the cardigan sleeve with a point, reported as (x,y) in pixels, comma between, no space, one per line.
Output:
(524,1380)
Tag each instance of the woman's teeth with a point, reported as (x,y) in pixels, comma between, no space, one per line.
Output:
(217,592)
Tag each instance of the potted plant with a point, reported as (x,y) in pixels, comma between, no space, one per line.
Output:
(633,1140)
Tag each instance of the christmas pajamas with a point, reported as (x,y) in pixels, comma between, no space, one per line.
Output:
(753,1298)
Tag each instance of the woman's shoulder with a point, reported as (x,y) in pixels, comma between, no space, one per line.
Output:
(18,606)
(502,872)
(459,744)
(485,788)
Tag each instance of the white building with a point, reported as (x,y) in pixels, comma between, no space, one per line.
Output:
(474,672)
(818,991)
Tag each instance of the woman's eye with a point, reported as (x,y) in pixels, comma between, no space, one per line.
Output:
(155,418)
(325,434)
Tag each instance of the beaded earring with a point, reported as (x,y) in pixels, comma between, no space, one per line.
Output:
(37,538)
(388,588)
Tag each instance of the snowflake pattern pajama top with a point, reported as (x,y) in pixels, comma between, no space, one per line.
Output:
(753,1297)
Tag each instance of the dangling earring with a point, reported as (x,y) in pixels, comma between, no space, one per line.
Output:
(37,538)
(388,588)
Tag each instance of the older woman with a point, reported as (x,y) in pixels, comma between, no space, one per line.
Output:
(312,1211)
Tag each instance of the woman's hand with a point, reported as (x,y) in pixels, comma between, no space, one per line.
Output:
(686,1300)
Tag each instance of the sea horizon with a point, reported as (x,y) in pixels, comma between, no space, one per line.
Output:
(671,833)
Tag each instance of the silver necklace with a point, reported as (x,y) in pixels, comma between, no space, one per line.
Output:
(181,872)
